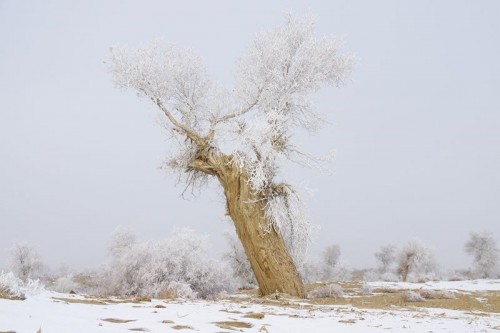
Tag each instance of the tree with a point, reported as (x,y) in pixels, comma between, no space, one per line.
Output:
(331,255)
(122,240)
(482,246)
(241,137)
(415,256)
(386,256)
(25,262)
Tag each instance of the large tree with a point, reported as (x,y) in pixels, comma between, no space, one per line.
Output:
(242,136)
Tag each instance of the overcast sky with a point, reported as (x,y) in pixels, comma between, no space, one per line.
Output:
(416,131)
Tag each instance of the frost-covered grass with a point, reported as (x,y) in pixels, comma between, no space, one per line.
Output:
(55,312)
(12,287)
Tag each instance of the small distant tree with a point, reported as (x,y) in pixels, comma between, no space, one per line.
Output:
(25,262)
(415,257)
(483,247)
(330,258)
(331,255)
(121,241)
(386,256)
(241,136)
(334,268)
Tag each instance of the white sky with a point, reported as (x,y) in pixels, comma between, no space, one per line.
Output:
(417,131)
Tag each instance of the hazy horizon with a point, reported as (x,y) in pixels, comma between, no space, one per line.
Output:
(416,130)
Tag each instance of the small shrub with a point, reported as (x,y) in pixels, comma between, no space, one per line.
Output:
(177,290)
(411,296)
(148,268)
(65,284)
(13,287)
(366,289)
(330,290)
(436,294)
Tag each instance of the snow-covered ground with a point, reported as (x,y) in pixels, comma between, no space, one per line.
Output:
(47,311)
(469,285)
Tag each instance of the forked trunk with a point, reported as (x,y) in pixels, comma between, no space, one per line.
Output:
(269,258)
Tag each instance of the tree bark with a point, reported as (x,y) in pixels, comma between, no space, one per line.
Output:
(269,258)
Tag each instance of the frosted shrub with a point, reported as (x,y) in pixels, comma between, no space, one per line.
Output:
(436,294)
(177,290)
(330,290)
(238,261)
(65,284)
(12,286)
(412,296)
(148,268)
(424,277)
(311,271)
(366,289)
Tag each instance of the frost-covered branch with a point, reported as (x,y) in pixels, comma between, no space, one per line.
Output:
(249,127)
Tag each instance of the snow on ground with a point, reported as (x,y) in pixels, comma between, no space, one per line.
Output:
(54,315)
(469,285)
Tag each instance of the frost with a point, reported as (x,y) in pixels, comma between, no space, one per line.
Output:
(483,248)
(330,290)
(412,296)
(249,126)
(12,286)
(167,267)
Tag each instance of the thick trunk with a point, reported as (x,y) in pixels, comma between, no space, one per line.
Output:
(271,263)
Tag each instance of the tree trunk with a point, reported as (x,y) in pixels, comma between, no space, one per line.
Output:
(271,263)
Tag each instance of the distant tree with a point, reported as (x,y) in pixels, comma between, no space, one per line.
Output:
(334,268)
(241,136)
(331,255)
(483,247)
(415,256)
(386,255)
(121,240)
(25,262)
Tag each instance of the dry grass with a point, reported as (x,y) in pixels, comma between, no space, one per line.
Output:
(11,298)
(118,321)
(100,301)
(232,325)
(139,329)
(166,321)
(80,301)
(6,293)
(383,299)
(254,315)
(182,327)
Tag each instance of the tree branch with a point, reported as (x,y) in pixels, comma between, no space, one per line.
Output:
(232,115)
(201,142)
